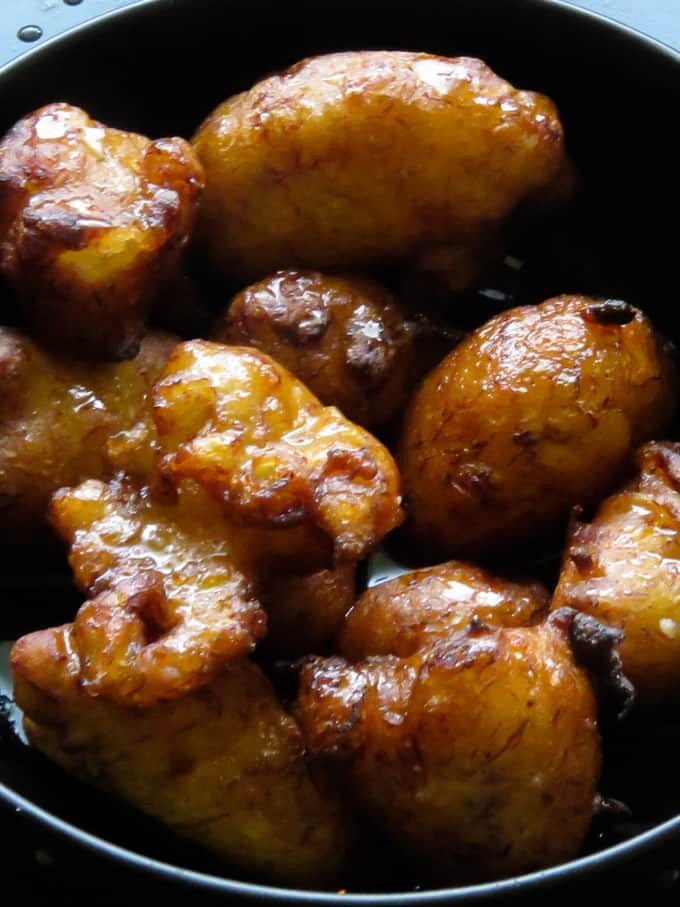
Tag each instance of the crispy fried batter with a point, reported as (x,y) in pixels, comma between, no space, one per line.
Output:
(402,615)
(172,590)
(245,429)
(92,219)
(346,338)
(223,766)
(351,159)
(536,411)
(56,415)
(622,568)
(172,571)
(304,612)
(479,755)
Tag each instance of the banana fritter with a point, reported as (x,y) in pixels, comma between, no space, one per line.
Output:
(405,614)
(479,755)
(346,338)
(223,766)
(538,410)
(92,220)
(239,424)
(623,569)
(352,159)
(56,416)
(172,590)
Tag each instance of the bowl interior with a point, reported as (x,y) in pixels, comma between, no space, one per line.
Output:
(159,68)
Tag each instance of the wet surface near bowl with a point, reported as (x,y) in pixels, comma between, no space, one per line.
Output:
(640,757)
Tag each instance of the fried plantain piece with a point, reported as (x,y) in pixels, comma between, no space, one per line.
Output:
(92,221)
(538,410)
(223,766)
(479,756)
(405,614)
(172,590)
(241,426)
(353,159)
(346,338)
(56,416)
(622,568)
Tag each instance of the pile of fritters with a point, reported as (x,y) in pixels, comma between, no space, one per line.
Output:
(219,505)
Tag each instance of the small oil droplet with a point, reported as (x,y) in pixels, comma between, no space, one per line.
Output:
(72,2)
(29,33)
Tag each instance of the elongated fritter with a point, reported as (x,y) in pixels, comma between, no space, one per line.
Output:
(353,159)
(223,766)
(538,410)
(346,338)
(623,567)
(478,756)
(239,424)
(56,417)
(92,221)
(406,614)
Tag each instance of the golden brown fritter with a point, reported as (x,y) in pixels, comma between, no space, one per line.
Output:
(405,614)
(56,415)
(352,159)
(346,338)
(239,424)
(534,412)
(223,766)
(92,220)
(623,568)
(479,755)
(304,612)
(172,590)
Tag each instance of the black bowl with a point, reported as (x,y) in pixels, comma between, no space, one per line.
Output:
(158,68)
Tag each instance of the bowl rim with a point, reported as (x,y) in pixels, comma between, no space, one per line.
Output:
(529,882)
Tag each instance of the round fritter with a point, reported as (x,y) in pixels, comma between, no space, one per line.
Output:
(304,612)
(251,434)
(346,338)
(479,755)
(536,411)
(623,569)
(352,159)
(402,615)
(223,766)
(92,220)
(56,416)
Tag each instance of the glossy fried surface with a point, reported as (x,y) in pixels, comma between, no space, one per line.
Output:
(172,592)
(304,612)
(56,416)
(622,567)
(353,159)
(223,766)
(479,756)
(536,411)
(405,614)
(346,338)
(92,220)
(239,424)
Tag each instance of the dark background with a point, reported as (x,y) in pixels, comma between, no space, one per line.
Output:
(42,869)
